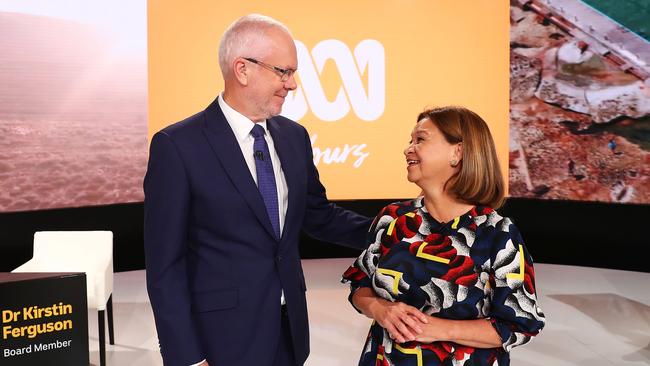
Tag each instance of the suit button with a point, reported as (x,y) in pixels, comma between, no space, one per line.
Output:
(279,258)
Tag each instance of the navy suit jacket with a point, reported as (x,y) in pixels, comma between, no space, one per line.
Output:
(214,269)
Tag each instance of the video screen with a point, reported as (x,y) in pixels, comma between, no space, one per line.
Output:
(73,103)
(86,84)
(365,71)
(580,100)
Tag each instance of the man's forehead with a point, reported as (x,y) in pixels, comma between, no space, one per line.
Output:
(278,35)
(282,57)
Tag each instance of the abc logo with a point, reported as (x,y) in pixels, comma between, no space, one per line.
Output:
(368,105)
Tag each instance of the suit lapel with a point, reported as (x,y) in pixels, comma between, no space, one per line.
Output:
(224,144)
(286,154)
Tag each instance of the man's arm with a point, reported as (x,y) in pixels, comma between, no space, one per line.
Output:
(327,221)
(166,208)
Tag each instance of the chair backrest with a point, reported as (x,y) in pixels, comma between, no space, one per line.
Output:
(76,251)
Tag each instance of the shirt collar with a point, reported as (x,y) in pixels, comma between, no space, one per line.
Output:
(239,123)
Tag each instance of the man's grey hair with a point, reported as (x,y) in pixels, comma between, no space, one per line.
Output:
(242,36)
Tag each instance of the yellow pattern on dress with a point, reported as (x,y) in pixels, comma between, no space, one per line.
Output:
(417,351)
(522,263)
(395,274)
(435,258)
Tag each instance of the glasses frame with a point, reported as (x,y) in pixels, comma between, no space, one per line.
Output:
(284,74)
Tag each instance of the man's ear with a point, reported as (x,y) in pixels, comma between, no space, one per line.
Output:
(240,70)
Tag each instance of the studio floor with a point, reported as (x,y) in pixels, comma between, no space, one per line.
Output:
(594,317)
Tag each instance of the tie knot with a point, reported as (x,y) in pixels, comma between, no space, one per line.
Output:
(257,131)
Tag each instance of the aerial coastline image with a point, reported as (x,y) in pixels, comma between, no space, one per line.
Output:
(73,113)
(580,100)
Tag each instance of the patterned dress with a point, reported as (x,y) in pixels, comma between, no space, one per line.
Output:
(473,267)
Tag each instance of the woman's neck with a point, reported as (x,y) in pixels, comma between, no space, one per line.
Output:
(443,206)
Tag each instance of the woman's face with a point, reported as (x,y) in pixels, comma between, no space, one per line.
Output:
(428,155)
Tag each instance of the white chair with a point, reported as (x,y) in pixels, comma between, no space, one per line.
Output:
(80,251)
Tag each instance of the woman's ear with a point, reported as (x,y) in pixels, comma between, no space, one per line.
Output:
(457,154)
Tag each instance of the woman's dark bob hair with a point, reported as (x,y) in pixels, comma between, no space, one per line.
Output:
(479,180)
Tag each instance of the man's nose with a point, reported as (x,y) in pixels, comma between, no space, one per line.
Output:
(291,83)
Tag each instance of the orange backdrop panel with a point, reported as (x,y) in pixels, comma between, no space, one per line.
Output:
(366,69)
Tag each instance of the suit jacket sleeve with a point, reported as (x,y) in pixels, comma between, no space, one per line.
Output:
(167,199)
(325,220)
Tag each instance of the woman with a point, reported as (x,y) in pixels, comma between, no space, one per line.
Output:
(447,280)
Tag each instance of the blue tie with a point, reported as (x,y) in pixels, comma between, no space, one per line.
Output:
(266,178)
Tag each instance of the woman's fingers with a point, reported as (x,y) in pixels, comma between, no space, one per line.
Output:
(407,334)
(403,322)
(399,327)
(413,323)
(395,335)
(417,314)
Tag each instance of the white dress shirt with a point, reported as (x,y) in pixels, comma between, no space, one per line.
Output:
(242,127)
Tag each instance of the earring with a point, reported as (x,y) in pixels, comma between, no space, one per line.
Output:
(453,163)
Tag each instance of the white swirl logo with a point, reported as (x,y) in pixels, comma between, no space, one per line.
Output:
(368,57)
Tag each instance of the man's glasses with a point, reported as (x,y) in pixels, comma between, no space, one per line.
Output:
(284,74)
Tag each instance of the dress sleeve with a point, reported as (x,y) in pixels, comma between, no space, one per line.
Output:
(360,273)
(514,311)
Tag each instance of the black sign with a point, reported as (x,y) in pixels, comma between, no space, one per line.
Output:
(44,319)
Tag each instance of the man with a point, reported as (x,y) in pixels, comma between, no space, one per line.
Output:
(223,269)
